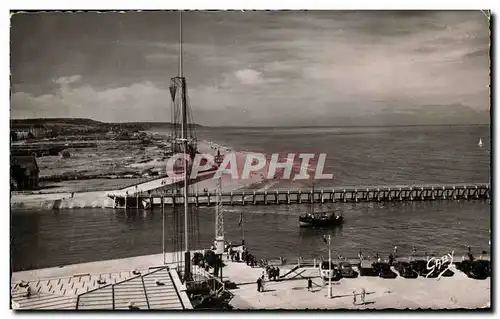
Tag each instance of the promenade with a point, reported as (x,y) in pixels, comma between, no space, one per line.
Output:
(64,284)
(291,293)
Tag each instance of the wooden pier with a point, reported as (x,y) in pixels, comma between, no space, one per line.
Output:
(333,195)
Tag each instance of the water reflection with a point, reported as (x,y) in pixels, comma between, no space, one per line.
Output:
(308,232)
(44,239)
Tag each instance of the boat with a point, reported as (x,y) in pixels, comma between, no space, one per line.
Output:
(480,144)
(322,219)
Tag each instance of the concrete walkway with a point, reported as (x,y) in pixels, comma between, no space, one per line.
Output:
(458,291)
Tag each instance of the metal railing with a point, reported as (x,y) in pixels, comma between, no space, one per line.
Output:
(315,262)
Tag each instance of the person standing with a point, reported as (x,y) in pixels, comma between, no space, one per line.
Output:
(259,284)
(309,284)
(363,295)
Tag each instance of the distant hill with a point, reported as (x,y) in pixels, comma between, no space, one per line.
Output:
(45,121)
(84,122)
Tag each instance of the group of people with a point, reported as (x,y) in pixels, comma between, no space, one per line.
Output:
(248,258)
(392,256)
(363,292)
(234,255)
(273,273)
(237,256)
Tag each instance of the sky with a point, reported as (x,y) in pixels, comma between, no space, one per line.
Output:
(282,68)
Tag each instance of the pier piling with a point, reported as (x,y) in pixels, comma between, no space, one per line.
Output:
(423,193)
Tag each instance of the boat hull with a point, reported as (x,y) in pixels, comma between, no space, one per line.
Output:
(311,222)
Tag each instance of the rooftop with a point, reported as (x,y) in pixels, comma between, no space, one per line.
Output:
(145,288)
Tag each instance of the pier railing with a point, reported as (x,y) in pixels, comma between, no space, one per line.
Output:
(300,196)
(315,262)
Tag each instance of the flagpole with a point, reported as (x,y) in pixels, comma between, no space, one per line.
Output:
(330,267)
(242,230)
(163,228)
(329,264)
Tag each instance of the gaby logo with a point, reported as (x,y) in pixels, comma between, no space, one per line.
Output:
(244,166)
(436,264)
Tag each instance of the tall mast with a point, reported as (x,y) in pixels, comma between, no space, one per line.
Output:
(219,221)
(184,137)
(180,45)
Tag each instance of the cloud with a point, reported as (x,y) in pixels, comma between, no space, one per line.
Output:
(138,102)
(248,76)
(275,68)
(65,80)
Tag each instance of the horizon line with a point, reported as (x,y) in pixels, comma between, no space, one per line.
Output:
(251,126)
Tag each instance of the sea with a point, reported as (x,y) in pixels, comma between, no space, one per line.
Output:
(356,156)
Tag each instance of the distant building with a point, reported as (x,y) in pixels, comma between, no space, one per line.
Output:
(65,154)
(24,173)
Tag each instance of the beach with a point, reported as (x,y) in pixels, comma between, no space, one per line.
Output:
(70,197)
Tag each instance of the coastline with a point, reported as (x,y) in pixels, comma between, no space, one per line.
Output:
(99,199)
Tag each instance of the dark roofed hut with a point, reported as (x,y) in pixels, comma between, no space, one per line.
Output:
(24,172)
(65,154)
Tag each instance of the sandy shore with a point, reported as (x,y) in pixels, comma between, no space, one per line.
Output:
(257,181)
